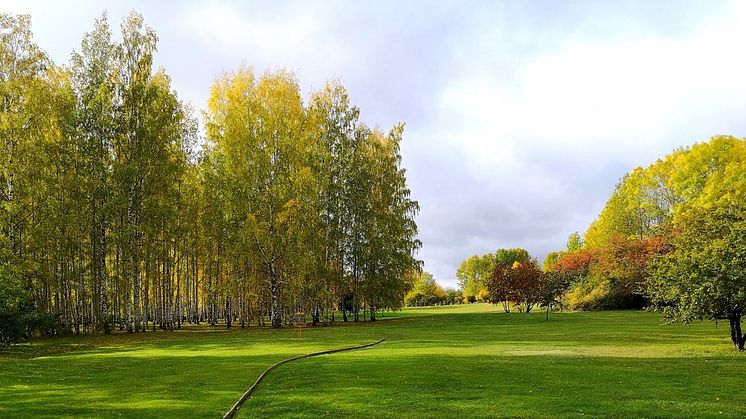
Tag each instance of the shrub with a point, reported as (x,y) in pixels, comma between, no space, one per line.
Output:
(11,328)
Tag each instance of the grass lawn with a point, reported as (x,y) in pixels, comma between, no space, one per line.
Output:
(465,361)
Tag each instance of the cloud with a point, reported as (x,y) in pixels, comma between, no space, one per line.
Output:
(543,142)
(521,116)
(292,37)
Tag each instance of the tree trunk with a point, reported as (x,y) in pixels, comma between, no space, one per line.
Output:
(195,277)
(315,316)
(78,301)
(137,283)
(102,275)
(11,197)
(355,307)
(529,307)
(228,313)
(276,315)
(128,310)
(735,333)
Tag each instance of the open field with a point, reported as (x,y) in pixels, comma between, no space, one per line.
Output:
(464,361)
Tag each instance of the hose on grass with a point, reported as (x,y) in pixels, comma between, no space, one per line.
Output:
(253,388)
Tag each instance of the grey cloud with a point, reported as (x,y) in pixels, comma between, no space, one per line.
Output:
(399,59)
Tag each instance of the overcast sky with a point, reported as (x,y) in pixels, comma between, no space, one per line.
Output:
(521,116)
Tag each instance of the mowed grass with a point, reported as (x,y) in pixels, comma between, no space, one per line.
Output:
(461,361)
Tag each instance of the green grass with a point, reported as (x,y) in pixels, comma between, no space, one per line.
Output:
(463,361)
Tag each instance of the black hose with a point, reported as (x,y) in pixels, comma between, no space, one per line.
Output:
(253,388)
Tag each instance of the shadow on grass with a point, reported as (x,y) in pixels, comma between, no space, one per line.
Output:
(132,387)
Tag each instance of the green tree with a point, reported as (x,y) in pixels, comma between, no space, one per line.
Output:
(704,276)
(263,119)
(507,257)
(93,83)
(335,121)
(551,259)
(574,242)
(391,232)
(468,275)
(425,292)
(31,98)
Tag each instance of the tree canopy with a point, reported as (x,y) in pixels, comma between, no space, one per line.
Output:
(427,292)
(703,276)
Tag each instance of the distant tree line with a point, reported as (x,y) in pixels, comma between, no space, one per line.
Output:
(512,279)
(115,214)
(475,272)
(525,285)
(427,292)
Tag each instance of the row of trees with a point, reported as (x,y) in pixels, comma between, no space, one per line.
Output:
(671,236)
(511,278)
(475,271)
(427,292)
(114,212)
(524,285)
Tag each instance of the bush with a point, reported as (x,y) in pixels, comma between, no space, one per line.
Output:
(11,328)
(18,319)
(483,295)
(588,294)
(453,297)
(602,293)
(13,299)
(45,324)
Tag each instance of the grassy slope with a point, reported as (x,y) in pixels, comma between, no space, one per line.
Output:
(451,361)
